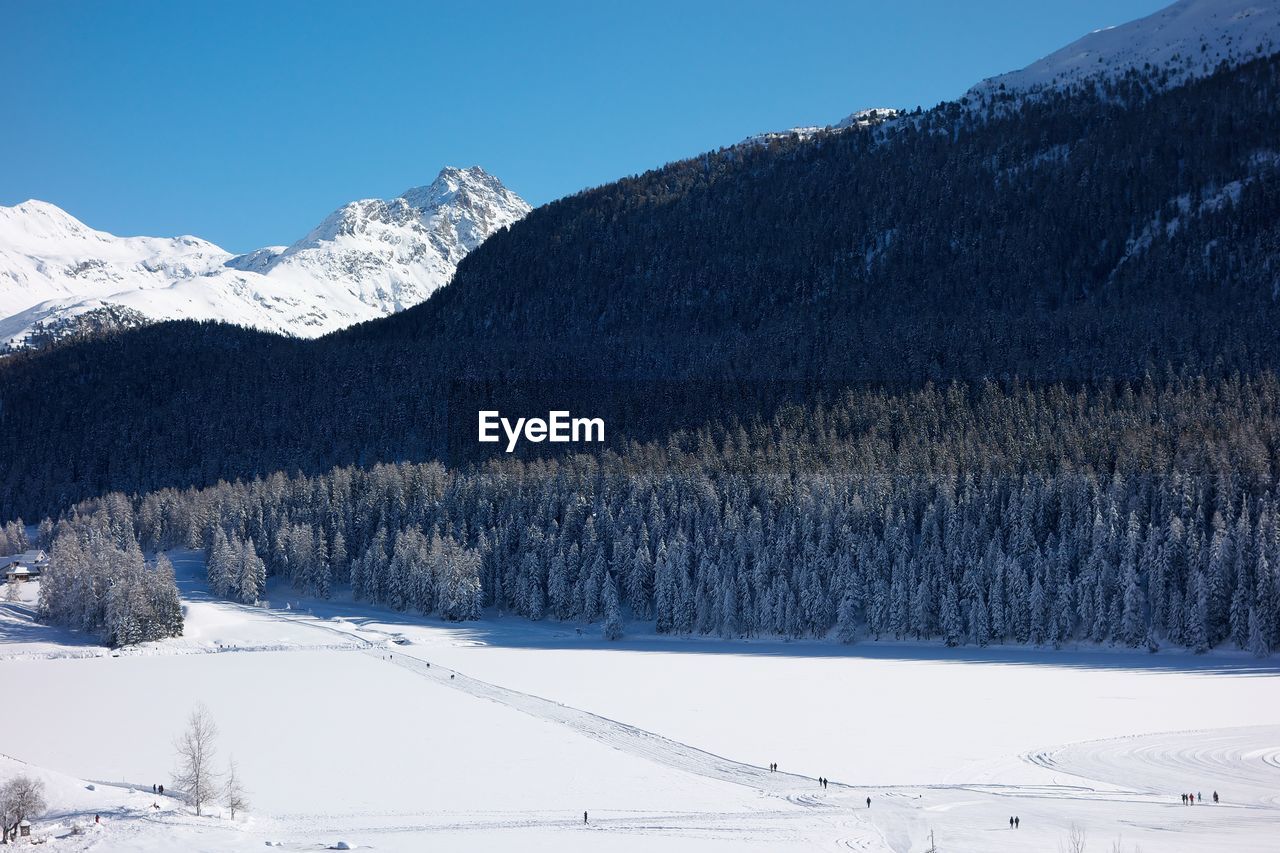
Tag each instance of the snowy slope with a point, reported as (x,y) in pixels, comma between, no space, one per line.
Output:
(365,260)
(1188,39)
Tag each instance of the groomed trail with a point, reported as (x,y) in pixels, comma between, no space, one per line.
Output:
(618,735)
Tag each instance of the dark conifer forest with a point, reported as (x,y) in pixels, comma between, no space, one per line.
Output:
(985,373)
(1141,515)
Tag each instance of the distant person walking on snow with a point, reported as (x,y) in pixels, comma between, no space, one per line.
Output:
(584,817)
(868,802)
(1215,796)
(1011,821)
(1184,799)
(1017,822)
(162,790)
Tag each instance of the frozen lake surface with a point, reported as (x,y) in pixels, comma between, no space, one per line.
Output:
(343,732)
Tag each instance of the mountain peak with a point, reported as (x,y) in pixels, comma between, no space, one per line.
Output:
(453,182)
(40,220)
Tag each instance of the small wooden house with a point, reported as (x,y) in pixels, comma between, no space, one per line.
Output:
(25,566)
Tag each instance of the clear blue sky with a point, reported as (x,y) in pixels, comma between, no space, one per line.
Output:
(246,123)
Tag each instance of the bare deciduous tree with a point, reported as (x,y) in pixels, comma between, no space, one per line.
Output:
(1075,841)
(236,797)
(21,798)
(196,749)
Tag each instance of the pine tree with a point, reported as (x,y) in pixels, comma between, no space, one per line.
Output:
(1259,644)
(612,629)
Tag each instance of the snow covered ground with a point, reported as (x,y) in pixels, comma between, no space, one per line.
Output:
(396,733)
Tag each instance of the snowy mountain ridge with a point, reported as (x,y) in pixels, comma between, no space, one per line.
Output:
(1179,43)
(367,259)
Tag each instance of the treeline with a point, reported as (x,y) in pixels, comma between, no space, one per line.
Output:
(1132,513)
(97,580)
(1083,237)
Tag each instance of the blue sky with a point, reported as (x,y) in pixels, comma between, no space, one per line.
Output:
(246,123)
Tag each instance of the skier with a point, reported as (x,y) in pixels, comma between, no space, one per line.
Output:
(1215,796)
(1017,822)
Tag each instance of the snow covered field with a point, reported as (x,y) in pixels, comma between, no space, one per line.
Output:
(344,734)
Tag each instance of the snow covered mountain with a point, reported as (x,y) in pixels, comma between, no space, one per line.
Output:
(1188,39)
(367,259)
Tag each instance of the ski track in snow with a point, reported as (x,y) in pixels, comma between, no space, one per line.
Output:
(615,734)
(1165,764)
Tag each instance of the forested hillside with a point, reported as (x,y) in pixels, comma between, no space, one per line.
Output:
(1139,515)
(1086,237)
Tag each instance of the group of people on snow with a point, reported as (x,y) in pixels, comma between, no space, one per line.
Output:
(823,781)
(1191,799)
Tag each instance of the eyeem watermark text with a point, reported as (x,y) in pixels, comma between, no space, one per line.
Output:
(557,427)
